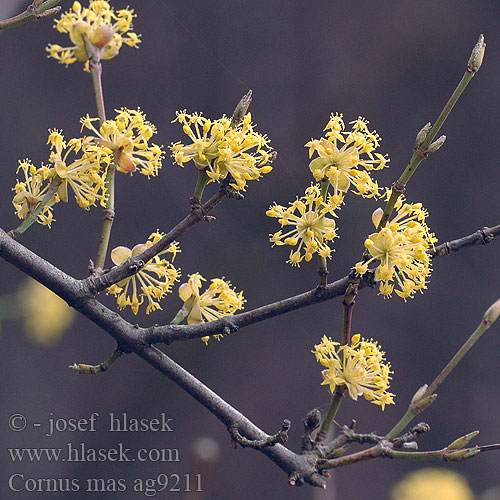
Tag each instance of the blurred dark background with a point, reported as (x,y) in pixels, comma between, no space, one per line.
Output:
(395,63)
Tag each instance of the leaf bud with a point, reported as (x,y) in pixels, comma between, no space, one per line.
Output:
(459,455)
(422,135)
(476,57)
(241,109)
(102,35)
(462,441)
(418,395)
(436,145)
(492,313)
(377,216)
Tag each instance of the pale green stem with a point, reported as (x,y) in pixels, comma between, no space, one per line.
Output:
(109,213)
(32,216)
(419,155)
(84,369)
(183,313)
(331,413)
(179,317)
(322,265)
(34,12)
(200,183)
(413,409)
(96,72)
(402,424)
(444,455)
(456,359)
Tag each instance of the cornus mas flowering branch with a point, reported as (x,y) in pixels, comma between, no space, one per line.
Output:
(231,152)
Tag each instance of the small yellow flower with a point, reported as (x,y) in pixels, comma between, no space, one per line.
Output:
(341,159)
(222,149)
(432,484)
(31,191)
(360,367)
(153,281)
(45,315)
(312,228)
(106,29)
(82,175)
(126,138)
(218,300)
(401,250)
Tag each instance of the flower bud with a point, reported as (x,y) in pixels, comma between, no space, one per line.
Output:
(421,136)
(476,57)
(102,35)
(459,455)
(492,313)
(50,12)
(462,441)
(377,216)
(436,145)
(241,109)
(421,404)
(418,395)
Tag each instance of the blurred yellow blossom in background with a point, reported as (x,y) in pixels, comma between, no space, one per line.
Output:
(45,315)
(432,484)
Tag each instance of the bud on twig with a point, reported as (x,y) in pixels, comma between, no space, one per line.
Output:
(50,12)
(462,441)
(421,404)
(102,35)
(377,216)
(492,313)
(422,135)
(436,145)
(418,395)
(459,455)
(476,57)
(241,109)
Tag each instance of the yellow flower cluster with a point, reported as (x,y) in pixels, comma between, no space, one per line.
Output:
(360,368)
(153,281)
(126,140)
(218,300)
(312,228)
(401,249)
(223,149)
(341,159)
(104,28)
(123,141)
(344,161)
(82,175)
(31,191)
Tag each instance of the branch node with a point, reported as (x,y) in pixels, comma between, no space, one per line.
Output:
(410,437)
(108,214)
(485,237)
(14,234)
(280,437)
(421,153)
(399,187)
(310,423)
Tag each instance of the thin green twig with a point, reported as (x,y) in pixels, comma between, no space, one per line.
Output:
(33,12)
